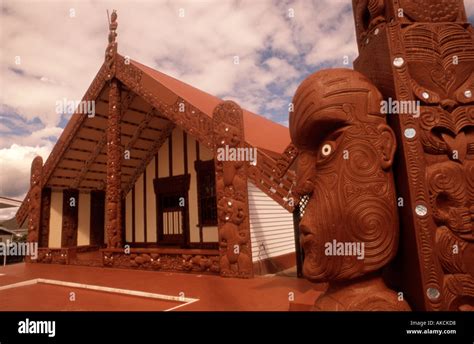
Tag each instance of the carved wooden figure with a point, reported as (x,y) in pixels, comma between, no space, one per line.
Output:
(45,217)
(232,194)
(34,218)
(423,52)
(346,152)
(114,163)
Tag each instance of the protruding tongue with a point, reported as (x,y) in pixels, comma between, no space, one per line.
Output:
(456,144)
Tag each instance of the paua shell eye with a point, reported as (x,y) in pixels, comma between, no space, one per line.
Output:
(326,149)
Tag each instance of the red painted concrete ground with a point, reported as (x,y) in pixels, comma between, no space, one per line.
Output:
(262,293)
(43,297)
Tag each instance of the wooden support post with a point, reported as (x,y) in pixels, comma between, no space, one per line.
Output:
(34,217)
(114,163)
(232,193)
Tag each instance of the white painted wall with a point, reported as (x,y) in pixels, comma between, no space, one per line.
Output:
(270,225)
(55,219)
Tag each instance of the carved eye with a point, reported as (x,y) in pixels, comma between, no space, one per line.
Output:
(326,150)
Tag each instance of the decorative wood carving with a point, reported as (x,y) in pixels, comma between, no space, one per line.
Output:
(22,212)
(157,261)
(73,125)
(182,113)
(55,255)
(70,218)
(114,164)
(65,139)
(427,55)
(367,14)
(199,125)
(45,216)
(111,50)
(437,11)
(232,194)
(34,209)
(286,159)
(127,100)
(346,151)
(265,175)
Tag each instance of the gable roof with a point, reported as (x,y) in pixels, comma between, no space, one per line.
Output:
(259,131)
(149,103)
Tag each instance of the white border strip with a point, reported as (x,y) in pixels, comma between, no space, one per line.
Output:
(186,300)
(19,284)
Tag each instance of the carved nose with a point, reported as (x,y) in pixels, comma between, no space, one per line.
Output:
(448,104)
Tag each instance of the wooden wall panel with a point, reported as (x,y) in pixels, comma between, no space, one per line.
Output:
(128,217)
(97,218)
(55,220)
(194,232)
(150,202)
(83,226)
(139,211)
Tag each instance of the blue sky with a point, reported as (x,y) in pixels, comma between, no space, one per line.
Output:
(52,50)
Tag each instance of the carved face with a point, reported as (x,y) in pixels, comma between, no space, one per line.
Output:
(450,185)
(228,135)
(346,151)
(231,210)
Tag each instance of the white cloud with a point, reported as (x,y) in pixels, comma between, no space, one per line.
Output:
(60,57)
(7,213)
(61,54)
(15,164)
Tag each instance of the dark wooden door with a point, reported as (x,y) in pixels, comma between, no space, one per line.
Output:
(97,218)
(173,214)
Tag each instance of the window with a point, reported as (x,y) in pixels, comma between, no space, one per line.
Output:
(206,192)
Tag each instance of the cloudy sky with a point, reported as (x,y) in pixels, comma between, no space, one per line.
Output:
(52,50)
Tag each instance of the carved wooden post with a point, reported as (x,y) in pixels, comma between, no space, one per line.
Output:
(45,216)
(114,162)
(34,217)
(232,193)
(423,52)
(70,218)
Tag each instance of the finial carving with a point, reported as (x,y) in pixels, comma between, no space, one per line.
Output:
(111,50)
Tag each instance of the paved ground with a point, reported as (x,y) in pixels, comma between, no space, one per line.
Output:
(262,293)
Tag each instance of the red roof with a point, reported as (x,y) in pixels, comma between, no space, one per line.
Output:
(259,131)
